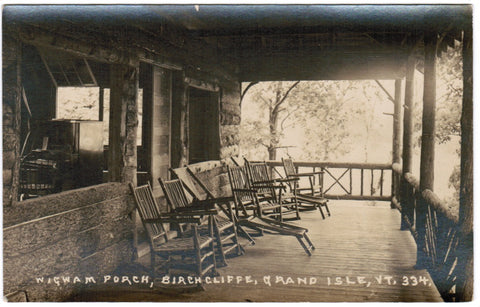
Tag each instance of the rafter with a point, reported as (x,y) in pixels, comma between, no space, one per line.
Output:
(385,90)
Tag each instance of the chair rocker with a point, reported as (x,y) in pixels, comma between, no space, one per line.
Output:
(310,197)
(225,231)
(193,252)
(245,196)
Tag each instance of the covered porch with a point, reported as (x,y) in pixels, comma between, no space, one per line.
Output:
(189,63)
(361,255)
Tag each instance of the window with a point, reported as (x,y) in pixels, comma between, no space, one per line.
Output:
(80,103)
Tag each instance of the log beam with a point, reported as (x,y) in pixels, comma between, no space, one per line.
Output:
(122,153)
(42,38)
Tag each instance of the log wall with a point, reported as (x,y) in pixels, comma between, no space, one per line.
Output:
(230,120)
(11,118)
(80,233)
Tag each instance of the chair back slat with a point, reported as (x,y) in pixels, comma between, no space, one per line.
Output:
(258,173)
(174,193)
(148,209)
(238,181)
(289,167)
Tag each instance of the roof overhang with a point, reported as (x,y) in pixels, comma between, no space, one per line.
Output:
(272,42)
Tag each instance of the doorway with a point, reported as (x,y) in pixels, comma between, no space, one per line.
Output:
(203,123)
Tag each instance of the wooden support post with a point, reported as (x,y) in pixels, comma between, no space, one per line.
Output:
(351,181)
(122,148)
(396,140)
(179,136)
(407,206)
(428,140)
(465,250)
(361,182)
(397,122)
(12,101)
(101,106)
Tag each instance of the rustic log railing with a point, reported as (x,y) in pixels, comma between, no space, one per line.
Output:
(436,233)
(434,228)
(349,181)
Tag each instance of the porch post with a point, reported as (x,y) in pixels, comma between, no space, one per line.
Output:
(428,140)
(396,140)
(11,111)
(397,122)
(122,148)
(465,248)
(407,205)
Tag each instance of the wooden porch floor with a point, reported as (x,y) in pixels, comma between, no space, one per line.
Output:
(361,255)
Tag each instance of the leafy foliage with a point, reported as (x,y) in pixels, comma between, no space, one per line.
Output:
(449,105)
(321,110)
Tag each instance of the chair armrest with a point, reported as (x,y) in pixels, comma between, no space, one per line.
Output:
(311,174)
(270,186)
(224,199)
(289,179)
(264,181)
(216,200)
(245,190)
(191,219)
(190,212)
(206,204)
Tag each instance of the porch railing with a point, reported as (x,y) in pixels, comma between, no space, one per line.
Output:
(433,227)
(350,181)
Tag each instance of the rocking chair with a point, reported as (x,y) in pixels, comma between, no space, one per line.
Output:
(199,191)
(311,196)
(245,196)
(225,230)
(272,190)
(194,253)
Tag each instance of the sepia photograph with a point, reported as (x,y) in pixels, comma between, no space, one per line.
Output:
(237,152)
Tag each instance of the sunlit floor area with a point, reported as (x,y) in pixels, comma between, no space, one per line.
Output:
(361,255)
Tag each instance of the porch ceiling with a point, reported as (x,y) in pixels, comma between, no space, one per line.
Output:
(276,42)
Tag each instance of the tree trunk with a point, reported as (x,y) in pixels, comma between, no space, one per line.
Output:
(397,123)
(465,248)
(272,153)
(428,142)
(274,138)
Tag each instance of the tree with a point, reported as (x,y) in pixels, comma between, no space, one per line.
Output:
(317,107)
(368,97)
(272,97)
(450,87)
(323,114)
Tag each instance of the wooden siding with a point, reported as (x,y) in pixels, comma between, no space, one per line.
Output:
(85,232)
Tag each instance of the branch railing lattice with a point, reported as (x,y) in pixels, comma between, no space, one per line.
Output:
(432,225)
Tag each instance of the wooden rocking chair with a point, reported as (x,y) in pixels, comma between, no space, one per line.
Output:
(199,191)
(245,196)
(225,230)
(272,190)
(194,253)
(311,196)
